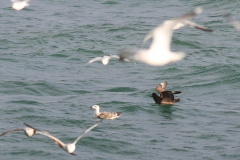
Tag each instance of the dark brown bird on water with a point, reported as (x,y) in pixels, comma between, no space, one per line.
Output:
(166,97)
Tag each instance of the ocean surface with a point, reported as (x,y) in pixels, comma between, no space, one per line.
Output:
(43,46)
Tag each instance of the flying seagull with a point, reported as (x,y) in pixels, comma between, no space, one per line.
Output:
(178,26)
(70,147)
(166,97)
(19,5)
(105,115)
(159,53)
(28,130)
(104,59)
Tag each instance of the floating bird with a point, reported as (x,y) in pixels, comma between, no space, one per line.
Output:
(105,115)
(19,5)
(159,52)
(70,147)
(29,131)
(235,23)
(166,97)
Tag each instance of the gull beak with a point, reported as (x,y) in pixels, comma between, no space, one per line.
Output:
(90,107)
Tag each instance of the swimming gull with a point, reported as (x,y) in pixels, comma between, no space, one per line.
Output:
(159,53)
(19,5)
(105,115)
(166,97)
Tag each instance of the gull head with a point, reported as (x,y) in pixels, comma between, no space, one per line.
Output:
(29,131)
(198,10)
(18,5)
(95,107)
(70,148)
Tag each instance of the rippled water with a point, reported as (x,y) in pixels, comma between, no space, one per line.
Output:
(43,46)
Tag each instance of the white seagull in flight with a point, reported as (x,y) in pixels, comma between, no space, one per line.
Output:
(70,147)
(19,5)
(104,59)
(159,53)
(28,130)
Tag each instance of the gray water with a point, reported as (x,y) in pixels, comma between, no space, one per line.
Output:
(43,46)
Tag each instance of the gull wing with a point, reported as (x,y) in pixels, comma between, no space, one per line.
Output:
(115,56)
(147,37)
(56,140)
(109,115)
(192,24)
(86,131)
(162,35)
(161,87)
(168,96)
(91,61)
(156,98)
(95,59)
(164,84)
(178,26)
(176,92)
(11,131)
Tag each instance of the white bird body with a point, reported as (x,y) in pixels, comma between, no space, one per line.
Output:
(104,59)
(29,131)
(19,5)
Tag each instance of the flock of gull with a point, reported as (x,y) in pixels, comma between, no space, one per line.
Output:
(158,54)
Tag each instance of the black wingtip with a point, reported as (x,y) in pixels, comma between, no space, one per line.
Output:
(176,92)
(30,126)
(73,154)
(204,29)
(119,113)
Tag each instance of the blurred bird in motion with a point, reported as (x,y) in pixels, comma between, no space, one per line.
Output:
(104,59)
(159,53)
(69,147)
(19,5)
